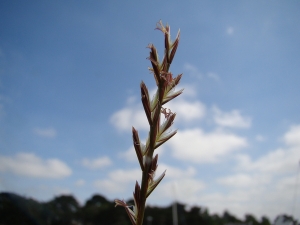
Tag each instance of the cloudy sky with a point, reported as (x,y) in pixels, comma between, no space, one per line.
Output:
(69,94)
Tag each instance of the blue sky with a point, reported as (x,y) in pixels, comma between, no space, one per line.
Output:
(69,94)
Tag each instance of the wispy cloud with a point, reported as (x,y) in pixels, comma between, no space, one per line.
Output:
(118,180)
(264,183)
(260,138)
(201,147)
(213,76)
(279,161)
(80,183)
(194,72)
(97,163)
(122,181)
(232,119)
(45,132)
(129,155)
(292,137)
(254,184)
(244,180)
(187,111)
(175,172)
(229,30)
(185,189)
(133,115)
(125,118)
(30,165)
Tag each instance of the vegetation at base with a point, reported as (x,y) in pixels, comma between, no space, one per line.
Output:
(65,210)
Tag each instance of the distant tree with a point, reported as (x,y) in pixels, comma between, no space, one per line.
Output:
(265,221)
(98,210)
(159,215)
(228,218)
(193,216)
(15,209)
(285,220)
(251,220)
(63,210)
(216,219)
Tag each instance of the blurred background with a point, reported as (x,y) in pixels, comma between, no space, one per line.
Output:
(69,94)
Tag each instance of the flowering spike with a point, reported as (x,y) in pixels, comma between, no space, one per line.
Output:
(137,146)
(159,133)
(146,101)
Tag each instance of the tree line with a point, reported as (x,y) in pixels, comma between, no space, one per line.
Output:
(65,210)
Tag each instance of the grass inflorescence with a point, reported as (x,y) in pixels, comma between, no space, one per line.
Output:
(159,132)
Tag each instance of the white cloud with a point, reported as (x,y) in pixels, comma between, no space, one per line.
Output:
(264,185)
(125,176)
(260,138)
(292,137)
(174,172)
(96,163)
(258,186)
(184,190)
(118,180)
(26,164)
(45,132)
(122,182)
(277,161)
(196,146)
(189,90)
(133,115)
(232,119)
(256,193)
(108,186)
(245,180)
(80,183)
(130,116)
(129,155)
(238,180)
(187,111)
